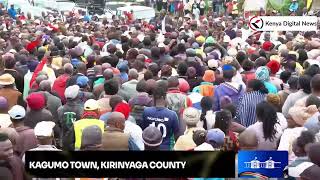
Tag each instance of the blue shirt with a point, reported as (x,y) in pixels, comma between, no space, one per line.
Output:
(272,89)
(12,12)
(165,120)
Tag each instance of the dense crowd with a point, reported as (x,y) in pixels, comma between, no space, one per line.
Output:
(204,83)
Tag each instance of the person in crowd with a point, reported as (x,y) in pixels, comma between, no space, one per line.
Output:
(290,87)
(169,124)
(37,110)
(304,90)
(139,102)
(9,65)
(246,111)
(70,112)
(185,142)
(4,116)
(207,117)
(90,116)
(91,138)
(274,100)
(81,70)
(8,90)
(28,139)
(312,172)
(114,101)
(223,121)
(206,88)
(114,137)
(274,67)
(10,162)
(248,140)
(152,138)
(266,128)
(214,141)
(130,86)
(60,84)
(27,77)
(296,118)
(228,88)
(262,74)
(52,102)
(315,90)
(300,148)
(111,87)
(130,128)
(84,93)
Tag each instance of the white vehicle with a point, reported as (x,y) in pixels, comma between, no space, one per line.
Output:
(139,12)
(26,8)
(112,6)
(61,6)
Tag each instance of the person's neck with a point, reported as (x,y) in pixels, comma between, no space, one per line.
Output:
(17,124)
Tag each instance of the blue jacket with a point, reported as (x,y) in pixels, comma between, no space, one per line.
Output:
(12,12)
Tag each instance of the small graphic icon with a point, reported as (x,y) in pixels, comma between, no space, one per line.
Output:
(256,164)
(262,164)
(256,23)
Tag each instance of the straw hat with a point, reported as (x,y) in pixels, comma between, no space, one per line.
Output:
(6,79)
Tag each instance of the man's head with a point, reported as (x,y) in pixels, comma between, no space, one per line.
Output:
(114,101)
(248,140)
(44,132)
(36,101)
(142,86)
(152,138)
(91,138)
(173,82)
(116,120)
(228,72)
(108,74)
(6,148)
(215,137)
(301,145)
(17,114)
(68,68)
(133,74)
(45,85)
(98,70)
(191,116)
(81,68)
(111,87)
(315,84)
(313,153)
(72,92)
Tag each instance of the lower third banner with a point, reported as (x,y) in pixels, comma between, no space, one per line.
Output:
(130,164)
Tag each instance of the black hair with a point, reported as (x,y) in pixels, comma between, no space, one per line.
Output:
(267,114)
(148,75)
(312,70)
(206,105)
(181,48)
(293,82)
(114,101)
(304,83)
(247,65)
(228,74)
(257,85)
(160,91)
(285,75)
(302,56)
(9,63)
(3,137)
(173,81)
(154,68)
(305,138)
(112,59)
(232,108)
(223,120)
(182,68)
(315,82)
(313,100)
(199,137)
(111,87)
(241,57)
(141,86)
(254,56)
(261,61)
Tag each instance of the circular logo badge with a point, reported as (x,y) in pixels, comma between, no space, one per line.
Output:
(256,23)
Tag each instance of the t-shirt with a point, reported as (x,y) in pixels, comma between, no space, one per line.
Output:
(165,120)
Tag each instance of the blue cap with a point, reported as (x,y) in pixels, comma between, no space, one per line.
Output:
(123,66)
(82,81)
(215,135)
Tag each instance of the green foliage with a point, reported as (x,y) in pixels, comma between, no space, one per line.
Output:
(284,7)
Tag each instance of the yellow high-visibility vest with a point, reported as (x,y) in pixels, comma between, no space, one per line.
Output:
(79,127)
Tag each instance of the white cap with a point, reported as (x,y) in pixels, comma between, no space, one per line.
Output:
(17,112)
(72,92)
(44,128)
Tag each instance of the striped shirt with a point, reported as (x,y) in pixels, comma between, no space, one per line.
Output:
(246,110)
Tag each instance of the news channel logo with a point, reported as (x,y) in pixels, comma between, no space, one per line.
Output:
(262,164)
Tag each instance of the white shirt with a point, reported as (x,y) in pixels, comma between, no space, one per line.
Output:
(135,132)
(287,138)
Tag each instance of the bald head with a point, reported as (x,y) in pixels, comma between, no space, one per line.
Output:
(133,74)
(116,120)
(82,68)
(45,85)
(68,68)
(108,74)
(248,140)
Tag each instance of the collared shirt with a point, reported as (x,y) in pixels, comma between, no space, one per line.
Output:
(135,132)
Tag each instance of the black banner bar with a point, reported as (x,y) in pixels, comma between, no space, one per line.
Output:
(130,164)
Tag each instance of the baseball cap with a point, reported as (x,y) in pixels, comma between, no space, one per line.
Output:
(215,135)
(17,112)
(71,92)
(44,129)
(91,105)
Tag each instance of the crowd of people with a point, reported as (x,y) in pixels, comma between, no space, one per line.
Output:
(174,83)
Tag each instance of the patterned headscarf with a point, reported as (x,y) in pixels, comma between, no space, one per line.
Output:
(262,73)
